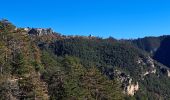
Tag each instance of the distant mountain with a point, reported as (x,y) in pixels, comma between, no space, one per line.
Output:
(158,47)
(163,53)
(149,44)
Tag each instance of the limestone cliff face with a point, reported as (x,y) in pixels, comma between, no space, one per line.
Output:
(132,89)
(147,65)
(129,87)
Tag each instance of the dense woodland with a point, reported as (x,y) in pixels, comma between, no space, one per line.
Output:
(57,67)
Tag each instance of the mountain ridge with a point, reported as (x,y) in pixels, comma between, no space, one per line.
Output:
(63,67)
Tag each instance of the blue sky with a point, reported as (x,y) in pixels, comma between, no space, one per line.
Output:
(104,18)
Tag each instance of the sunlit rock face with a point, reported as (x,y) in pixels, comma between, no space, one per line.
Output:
(129,87)
(168,72)
(132,89)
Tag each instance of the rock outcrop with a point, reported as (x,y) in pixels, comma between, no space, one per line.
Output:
(129,87)
(168,72)
(39,31)
(132,89)
(149,62)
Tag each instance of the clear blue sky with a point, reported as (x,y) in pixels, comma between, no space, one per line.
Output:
(104,18)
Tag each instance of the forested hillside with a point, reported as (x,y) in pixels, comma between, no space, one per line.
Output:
(38,64)
(19,63)
(28,72)
(141,77)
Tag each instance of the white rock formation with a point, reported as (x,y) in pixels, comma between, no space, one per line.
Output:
(132,88)
(146,73)
(168,72)
(153,71)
